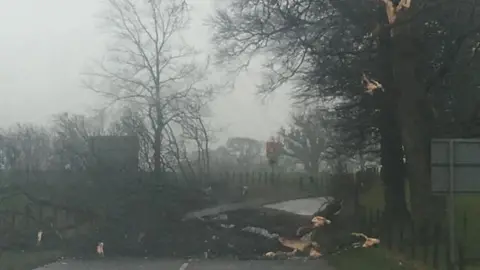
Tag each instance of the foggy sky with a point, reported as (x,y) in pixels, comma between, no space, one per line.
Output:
(45,45)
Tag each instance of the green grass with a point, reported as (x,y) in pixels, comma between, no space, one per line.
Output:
(27,260)
(369,259)
(466,205)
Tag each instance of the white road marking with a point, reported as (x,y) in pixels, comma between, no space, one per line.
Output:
(184,266)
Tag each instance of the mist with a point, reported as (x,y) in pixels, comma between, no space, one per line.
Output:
(47,45)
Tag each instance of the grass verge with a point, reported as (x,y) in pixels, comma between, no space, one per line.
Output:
(466,223)
(10,260)
(373,258)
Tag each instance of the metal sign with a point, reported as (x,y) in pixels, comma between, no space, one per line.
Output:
(456,158)
(115,152)
(455,165)
(273,150)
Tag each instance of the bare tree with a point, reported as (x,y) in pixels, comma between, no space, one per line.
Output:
(71,138)
(247,151)
(26,147)
(306,139)
(133,123)
(150,65)
(199,132)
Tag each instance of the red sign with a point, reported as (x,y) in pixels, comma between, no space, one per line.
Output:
(273,150)
(270,147)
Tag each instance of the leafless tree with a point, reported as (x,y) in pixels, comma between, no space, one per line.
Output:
(26,147)
(150,65)
(133,123)
(246,151)
(71,138)
(199,132)
(306,139)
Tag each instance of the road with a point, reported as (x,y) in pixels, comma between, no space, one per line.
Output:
(134,264)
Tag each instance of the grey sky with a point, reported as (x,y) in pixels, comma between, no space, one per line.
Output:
(47,44)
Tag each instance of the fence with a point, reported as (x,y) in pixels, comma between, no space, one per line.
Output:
(427,243)
(285,186)
(65,200)
(51,185)
(52,193)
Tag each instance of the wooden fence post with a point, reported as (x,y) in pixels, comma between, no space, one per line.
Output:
(370,221)
(389,232)
(13,217)
(240,178)
(55,217)
(227,177)
(233,179)
(436,242)
(424,233)
(447,257)
(413,241)
(40,213)
(401,237)
(461,256)
(320,184)
(27,216)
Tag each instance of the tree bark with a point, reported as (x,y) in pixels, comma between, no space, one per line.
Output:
(415,118)
(157,152)
(393,168)
(391,150)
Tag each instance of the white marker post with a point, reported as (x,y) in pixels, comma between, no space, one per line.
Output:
(451,202)
(455,166)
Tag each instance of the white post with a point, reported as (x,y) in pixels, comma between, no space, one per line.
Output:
(451,203)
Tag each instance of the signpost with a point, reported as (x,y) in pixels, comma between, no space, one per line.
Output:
(455,165)
(273,149)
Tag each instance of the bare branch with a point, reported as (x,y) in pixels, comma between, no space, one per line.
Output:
(150,65)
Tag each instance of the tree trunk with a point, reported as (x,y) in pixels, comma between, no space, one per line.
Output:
(157,152)
(414,118)
(391,152)
(393,169)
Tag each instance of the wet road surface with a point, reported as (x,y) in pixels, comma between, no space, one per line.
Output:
(134,264)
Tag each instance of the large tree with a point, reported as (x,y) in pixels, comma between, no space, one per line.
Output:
(247,152)
(426,42)
(26,147)
(306,139)
(324,52)
(413,57)
(150,67)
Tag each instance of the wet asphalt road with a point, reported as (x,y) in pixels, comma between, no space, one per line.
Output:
(134,264)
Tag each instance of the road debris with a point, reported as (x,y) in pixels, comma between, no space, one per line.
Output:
(100,249)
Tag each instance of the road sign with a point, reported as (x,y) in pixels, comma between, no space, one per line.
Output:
(115,152)
(455,165)
(461,158)
(273,149)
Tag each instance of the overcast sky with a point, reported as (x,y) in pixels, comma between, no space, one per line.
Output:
(45,45)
